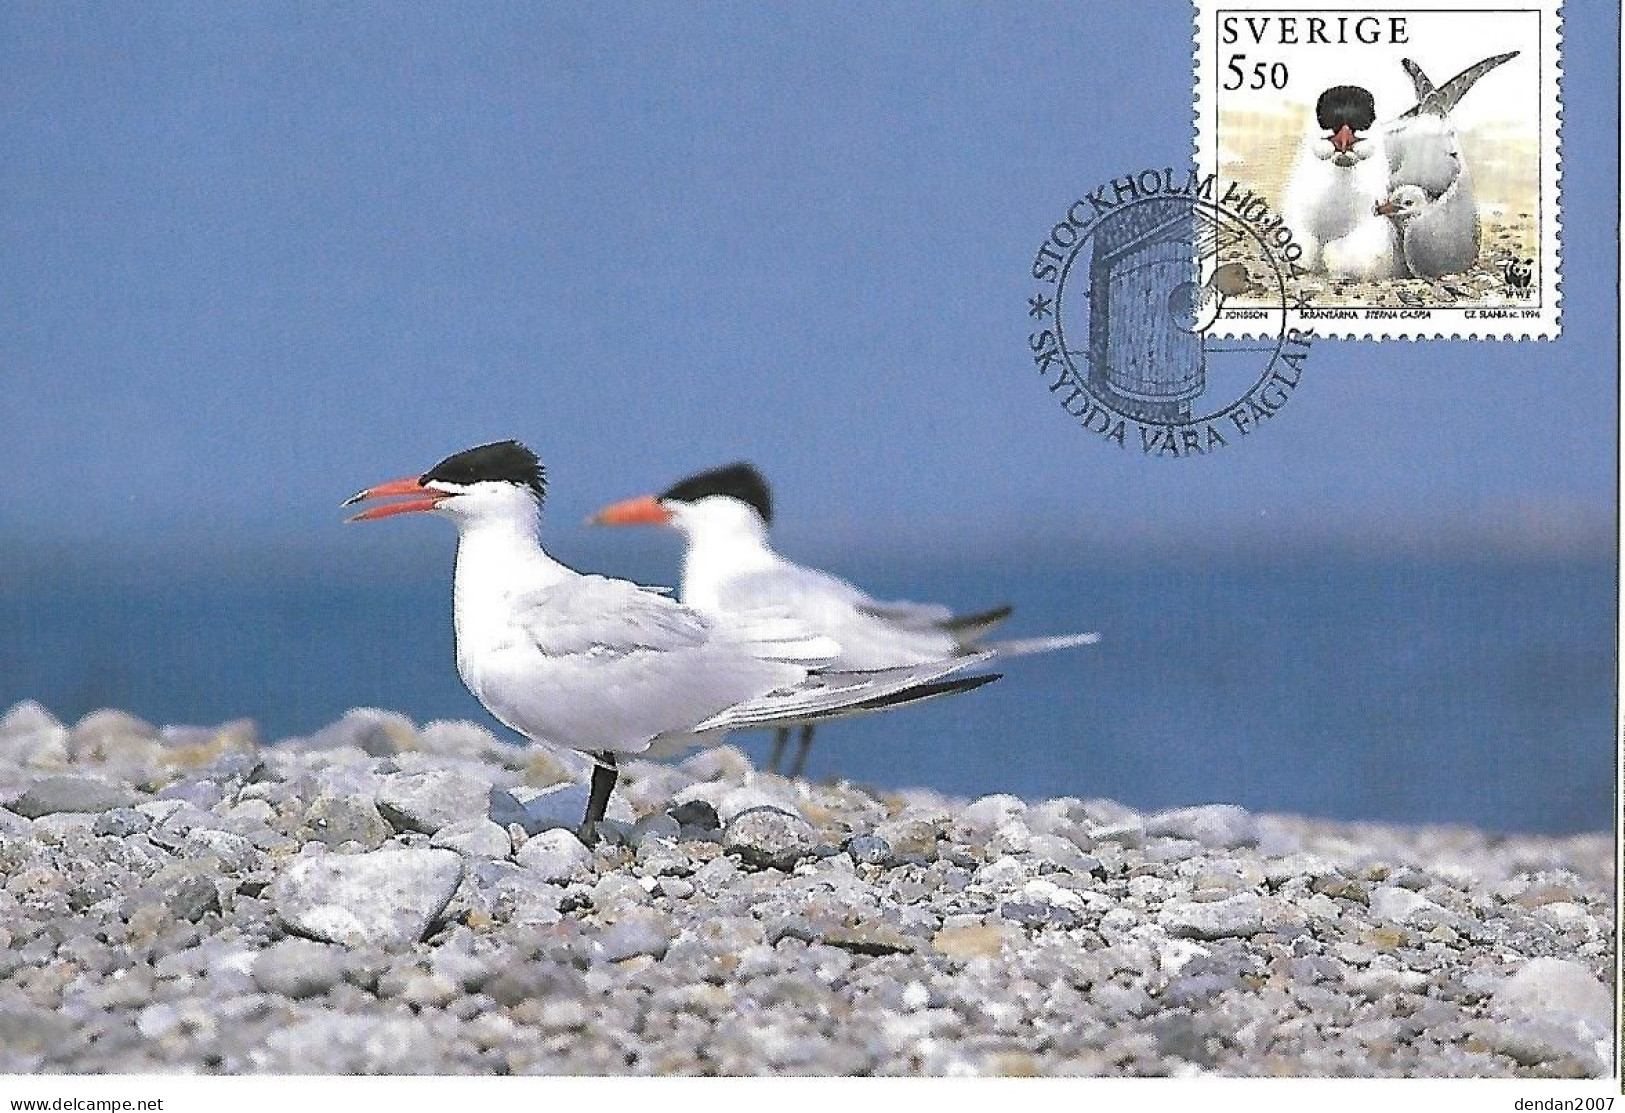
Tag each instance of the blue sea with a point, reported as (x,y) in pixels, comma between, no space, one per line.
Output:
(1471,691)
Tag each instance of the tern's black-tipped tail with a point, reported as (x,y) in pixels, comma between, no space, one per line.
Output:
(967,628)
(916,694)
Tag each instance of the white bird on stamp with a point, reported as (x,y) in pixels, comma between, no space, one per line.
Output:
(1339,174)
(1424,150)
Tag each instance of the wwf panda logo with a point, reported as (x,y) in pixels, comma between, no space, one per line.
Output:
(1519,274)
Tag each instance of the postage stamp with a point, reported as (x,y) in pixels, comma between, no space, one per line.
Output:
(1411,149)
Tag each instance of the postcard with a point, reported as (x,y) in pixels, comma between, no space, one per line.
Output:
(789,542)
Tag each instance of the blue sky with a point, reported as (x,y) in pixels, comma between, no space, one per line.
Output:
(257,256)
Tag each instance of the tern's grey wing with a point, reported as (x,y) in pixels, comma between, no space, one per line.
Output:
(826,695)
(600,664)
(1451,92)
(1419,81)
(906,613)
(1443,100)
(869,636)
(971,628)
(607,617)
(803,591)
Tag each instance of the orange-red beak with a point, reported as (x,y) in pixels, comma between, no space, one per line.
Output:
(420,498)
(644,510)
(1343,139)
(1385,208)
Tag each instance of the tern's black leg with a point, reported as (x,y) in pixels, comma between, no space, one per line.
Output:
(781,738)
(603,783)
(801,754)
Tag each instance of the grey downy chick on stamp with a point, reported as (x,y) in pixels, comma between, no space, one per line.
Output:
(1404,207)
(1424,151)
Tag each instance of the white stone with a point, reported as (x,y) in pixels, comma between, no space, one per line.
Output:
(386,897)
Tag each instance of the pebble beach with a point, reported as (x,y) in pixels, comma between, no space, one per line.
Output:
(389,897)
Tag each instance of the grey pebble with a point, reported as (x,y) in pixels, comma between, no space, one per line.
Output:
(869,850)
(676,888)
(1039,914)
(1240,915)
(660,857)
(1168,849)
(475,838)
(989,813)
(765,837)
(1533,1041)
(299,968)
(331,1043)
(657,827)
(1557,989)
(696,813)
(637,933)
(235,853)
(1379,982)
(426,802)
(27,717)
(458,738)
(72,793)
(188,895)
(120,823)
(336,818)
(1396,905)
(543,980)
(617,891)
(912,836)
(1054,852)
(386,897)
(1190,991)
(109,725)
(556,856)
(201,794)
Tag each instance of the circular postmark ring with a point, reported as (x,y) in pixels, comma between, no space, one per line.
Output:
(1139,347)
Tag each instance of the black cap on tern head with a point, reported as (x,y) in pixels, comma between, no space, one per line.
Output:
(1345,105)
(739,481)
(503,462)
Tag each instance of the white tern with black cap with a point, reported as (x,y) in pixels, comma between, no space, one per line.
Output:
(606,667)
(730,569)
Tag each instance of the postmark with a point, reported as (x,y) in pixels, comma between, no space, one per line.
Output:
(1412,148)
(1125,290)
